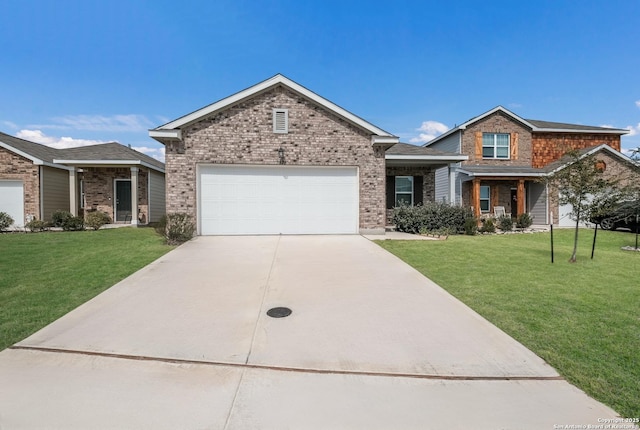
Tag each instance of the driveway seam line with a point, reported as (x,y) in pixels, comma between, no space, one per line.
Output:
(286,369)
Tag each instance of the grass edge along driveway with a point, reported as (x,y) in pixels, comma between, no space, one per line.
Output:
(45,275)
(582,318)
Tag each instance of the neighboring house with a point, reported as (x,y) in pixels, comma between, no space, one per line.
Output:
(36,180)
(510,156)
(277,158)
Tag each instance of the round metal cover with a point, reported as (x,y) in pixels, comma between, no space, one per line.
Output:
(279,312)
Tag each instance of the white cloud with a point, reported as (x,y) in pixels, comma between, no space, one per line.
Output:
(429,131)
(638,103)
(157,153)
(10,124)
(55,142)
(633,130)
(115,123)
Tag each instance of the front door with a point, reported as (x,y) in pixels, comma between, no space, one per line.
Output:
(514,203)
(123,200)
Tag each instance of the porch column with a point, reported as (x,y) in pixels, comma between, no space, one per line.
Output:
(475,198)
(452,184)
(134,195)
(73,191)
(520,196)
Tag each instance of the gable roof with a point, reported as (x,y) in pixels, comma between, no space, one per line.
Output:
(566,160)
(407,154)
(534,125)
(172,129)
(104,153)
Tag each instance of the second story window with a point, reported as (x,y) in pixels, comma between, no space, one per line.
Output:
(495,145)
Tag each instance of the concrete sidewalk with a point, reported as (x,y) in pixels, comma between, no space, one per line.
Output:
(371,343)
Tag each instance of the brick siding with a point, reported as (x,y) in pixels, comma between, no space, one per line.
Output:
(16,167)
(243,134)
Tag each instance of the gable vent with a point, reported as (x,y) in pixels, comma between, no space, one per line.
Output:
(280,120)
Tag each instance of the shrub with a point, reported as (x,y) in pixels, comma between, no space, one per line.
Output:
(37,225)
(488,226)
(59,218)
(5,221)
(430,217)
(73,223)
(96,219)
(179,228)
(505,223)
(471,226)
(524,221)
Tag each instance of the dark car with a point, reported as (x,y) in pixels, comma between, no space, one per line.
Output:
(625,215)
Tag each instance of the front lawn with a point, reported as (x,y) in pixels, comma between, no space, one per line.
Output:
(581,318)
(45,275)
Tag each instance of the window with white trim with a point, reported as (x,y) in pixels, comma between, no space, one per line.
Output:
(404,190)
(81,193)
(485,198)
(496,145)
(281,120)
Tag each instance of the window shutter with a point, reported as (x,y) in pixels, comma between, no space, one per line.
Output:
(514,146)
(280,121)
(391,191)
(417,190)
(478,145)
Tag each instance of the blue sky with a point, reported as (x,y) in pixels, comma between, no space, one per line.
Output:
(81,72)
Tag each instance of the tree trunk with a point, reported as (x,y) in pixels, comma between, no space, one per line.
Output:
(575,239)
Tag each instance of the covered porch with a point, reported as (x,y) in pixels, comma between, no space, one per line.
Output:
(518,191)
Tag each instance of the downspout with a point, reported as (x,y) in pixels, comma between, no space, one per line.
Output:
(40,193)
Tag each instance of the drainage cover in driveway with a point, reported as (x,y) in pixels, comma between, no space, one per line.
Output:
(279,312)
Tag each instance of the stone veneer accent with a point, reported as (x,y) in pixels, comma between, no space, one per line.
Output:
(99,189)
(16,167)
(549,147)
(243,134)
(497,123)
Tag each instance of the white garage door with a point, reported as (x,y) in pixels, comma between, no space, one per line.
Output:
(277,200)
(12,200)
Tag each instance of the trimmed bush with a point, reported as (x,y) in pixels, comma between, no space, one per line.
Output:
(524,221)
(505,223)
(430,217)
(37,225)
(73,224)
(471,226)
(5,221)
(59,218)
(488,226)
(96,219)
(179,228)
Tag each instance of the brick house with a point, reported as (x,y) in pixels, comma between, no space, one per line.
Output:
(278,158)
(36,180)
(508,157)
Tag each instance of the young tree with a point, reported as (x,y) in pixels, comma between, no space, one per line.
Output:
(582,185)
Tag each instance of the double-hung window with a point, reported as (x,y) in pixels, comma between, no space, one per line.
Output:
(404,190)
(485,198)
(495,145)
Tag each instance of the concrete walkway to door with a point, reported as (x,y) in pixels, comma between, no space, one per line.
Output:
(371,343)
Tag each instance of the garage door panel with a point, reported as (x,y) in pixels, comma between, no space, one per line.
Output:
(278,200)
(12,200)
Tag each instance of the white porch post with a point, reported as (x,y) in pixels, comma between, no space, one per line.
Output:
(452,184)
(134,195)
(73,192)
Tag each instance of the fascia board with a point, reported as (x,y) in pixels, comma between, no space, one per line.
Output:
(563,130)
(165,134)
(277,79)
(451,158)
(498,174)
(88,163)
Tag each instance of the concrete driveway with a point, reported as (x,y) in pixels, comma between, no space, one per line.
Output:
(371,343)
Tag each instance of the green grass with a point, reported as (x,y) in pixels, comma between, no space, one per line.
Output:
(45,275)
(582,318)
